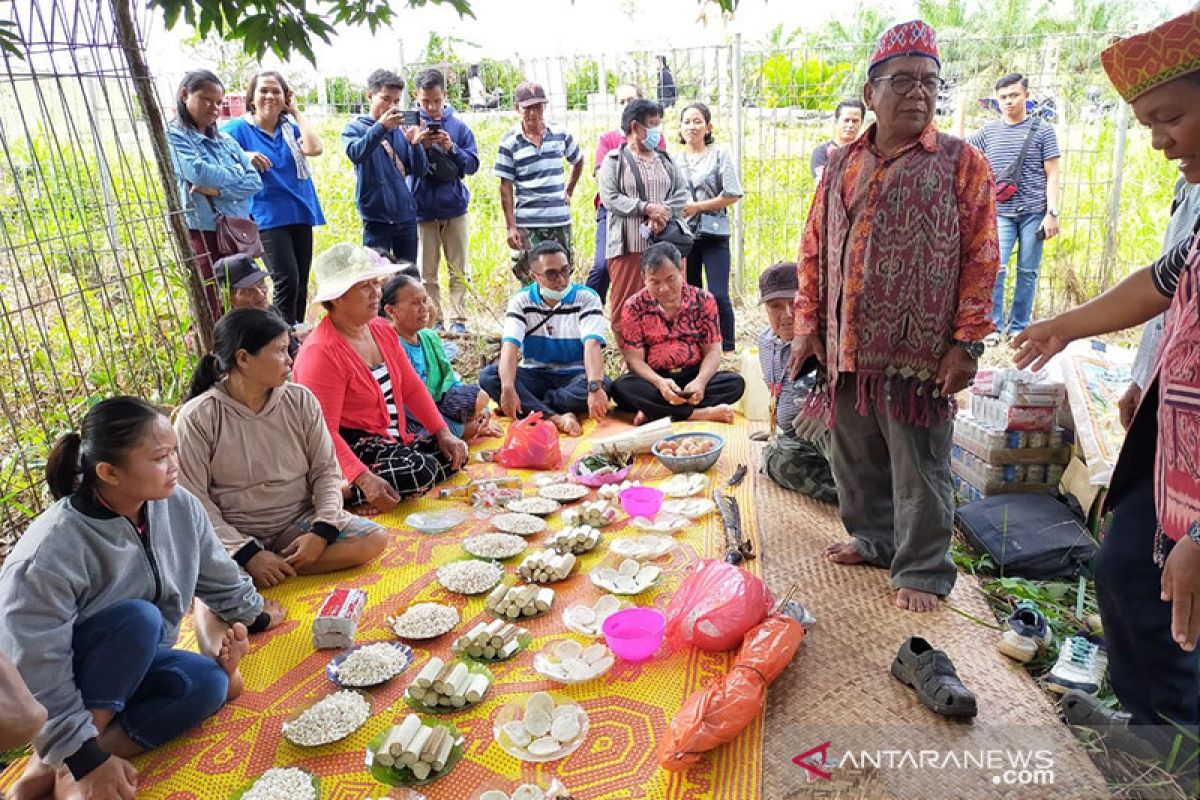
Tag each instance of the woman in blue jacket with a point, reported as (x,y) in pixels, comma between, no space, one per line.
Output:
(212,171)
(279,141)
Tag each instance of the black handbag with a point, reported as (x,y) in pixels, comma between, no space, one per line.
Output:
(707,224)
(675,232)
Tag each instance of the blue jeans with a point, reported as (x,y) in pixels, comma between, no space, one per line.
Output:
(157,693)
(1029,261)
(1156,681)
(550,391)
(399,240)
(598,276)
(710,261)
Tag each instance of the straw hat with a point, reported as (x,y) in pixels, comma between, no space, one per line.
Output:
(343,265)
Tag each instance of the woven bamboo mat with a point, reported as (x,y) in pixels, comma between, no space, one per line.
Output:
(629,708)
(839,690)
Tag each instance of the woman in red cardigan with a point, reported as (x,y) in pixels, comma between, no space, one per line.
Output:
(354,365)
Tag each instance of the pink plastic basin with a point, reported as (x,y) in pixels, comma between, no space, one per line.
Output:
(641,501)
(635,633)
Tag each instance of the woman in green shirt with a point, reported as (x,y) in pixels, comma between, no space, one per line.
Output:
(464,406)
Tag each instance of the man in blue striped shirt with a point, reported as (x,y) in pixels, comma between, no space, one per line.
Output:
(1030,215)
(555,329)
(536,202)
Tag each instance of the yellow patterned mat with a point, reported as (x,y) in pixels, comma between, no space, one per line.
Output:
(628,708)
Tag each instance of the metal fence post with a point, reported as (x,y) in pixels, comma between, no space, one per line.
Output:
(1114,198)
(738,232)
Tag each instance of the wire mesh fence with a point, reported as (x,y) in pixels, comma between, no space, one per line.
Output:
(772,106)
(93,297)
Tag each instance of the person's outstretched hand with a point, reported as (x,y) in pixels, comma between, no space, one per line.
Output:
(1038,343)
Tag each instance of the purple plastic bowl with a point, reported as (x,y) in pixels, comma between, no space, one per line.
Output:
(596,483)
(641,501)
(635,633)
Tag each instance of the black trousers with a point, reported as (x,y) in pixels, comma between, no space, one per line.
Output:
(1155,680)
(710,261)
(633,393)
(288,255)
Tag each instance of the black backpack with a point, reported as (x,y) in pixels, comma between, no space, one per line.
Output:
(1028,535)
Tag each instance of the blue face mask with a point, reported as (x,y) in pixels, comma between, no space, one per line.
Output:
(553,294)
(653,137)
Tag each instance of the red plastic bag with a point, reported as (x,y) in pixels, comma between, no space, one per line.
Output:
(715,607)
(531,443)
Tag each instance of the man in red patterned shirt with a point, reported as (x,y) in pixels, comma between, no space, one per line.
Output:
(672,345)
(896,272)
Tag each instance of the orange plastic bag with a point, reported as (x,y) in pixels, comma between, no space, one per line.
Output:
(718,713)
(531,443)
(715,606)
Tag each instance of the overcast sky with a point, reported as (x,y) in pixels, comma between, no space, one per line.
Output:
(503,28)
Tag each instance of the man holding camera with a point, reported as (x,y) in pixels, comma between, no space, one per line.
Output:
(442,196)
(382,145)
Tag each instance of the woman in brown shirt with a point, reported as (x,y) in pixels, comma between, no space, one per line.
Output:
(255,450)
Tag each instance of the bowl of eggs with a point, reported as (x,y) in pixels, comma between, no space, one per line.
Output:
(689,452)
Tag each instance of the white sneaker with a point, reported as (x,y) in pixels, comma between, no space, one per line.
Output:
(991,340)
(1016,646)
(1081,663)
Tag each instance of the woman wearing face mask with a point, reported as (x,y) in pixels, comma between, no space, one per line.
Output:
(279,141)
(848,119)
(713,186)
(632,217)
(277,515)
(214,174)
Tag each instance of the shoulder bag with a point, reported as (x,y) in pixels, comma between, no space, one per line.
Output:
(706,224)
(1008,184)
(675,232)
(236,235)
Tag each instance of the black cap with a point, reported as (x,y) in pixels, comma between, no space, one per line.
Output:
(238,272)
(778,282)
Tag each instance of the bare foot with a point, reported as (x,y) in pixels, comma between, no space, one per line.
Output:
(568,424)
(844,553)
(913,600)
(234,646)
(639,419)
(721,413)
(36,783)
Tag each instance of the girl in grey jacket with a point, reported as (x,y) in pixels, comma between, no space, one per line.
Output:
(92,597)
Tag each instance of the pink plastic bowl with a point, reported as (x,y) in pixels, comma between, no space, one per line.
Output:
(635,633)
(641,501)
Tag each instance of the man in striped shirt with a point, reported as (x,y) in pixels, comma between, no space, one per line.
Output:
(555,329)
(535,199)
(1029,216)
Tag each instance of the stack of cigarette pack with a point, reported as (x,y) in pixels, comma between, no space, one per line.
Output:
(1008,442)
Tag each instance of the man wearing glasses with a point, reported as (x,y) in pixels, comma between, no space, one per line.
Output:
(895,273)
(555,330)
